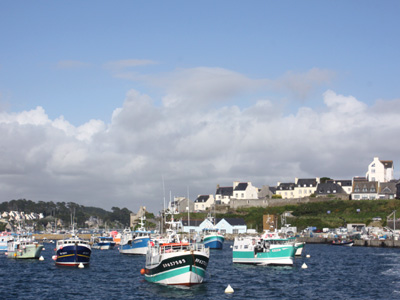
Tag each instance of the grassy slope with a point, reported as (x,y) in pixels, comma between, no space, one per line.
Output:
(316,214)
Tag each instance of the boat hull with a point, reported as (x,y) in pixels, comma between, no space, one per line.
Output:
(214,242)
(246,251)
(178,269)
(345,244)
(73,255)
(104,246)
(137,247)
(26,252)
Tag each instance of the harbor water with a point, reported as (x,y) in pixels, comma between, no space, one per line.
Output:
(331,273)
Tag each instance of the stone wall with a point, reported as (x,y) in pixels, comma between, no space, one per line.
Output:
(238,203)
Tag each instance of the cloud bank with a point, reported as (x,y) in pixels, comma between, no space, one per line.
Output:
(194,138)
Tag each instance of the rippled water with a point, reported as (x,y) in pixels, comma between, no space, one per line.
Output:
(332,273)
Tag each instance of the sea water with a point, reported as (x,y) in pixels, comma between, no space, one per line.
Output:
(331,273)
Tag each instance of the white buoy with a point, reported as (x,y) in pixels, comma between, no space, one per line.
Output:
(304,266)
(43,249)
(308,256)
(81,266)
(229,289)
(54,257)
(41,258)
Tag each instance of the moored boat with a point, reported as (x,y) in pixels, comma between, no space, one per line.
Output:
(212,238)
(270,249)
(176,263)
(23,246)
(170,261)
(135,242)
(72,252)
(4,238)
(340,242)
(103,243)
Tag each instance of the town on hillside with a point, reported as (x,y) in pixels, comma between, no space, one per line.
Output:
(378,183)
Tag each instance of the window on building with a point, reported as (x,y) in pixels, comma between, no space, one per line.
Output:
(235,231)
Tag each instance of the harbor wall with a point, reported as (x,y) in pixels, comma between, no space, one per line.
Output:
(238,203)
(364,243)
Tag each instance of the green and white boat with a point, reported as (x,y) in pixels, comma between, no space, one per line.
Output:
(176,263)
(270,249)
(170,261)
(23,247)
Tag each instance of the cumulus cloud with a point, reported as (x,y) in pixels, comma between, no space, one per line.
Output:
(122,163)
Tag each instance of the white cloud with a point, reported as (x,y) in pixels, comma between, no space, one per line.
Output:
(122,163)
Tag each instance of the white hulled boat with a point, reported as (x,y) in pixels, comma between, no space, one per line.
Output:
(23,246)
(173,262)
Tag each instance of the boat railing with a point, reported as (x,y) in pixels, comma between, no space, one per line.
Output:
(174,247)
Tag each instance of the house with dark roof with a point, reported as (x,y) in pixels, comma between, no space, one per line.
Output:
(329,188)
(231,226)
(223,194)
(304,187)
(347,185)
(285,189)
(380,170)
(203,202)
(387,190)
(244,190)
(364,189)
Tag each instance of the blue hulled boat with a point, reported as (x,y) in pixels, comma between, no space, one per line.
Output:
(72,252)
(135,242)
(212,238)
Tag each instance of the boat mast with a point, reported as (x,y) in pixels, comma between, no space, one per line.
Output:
(188,203)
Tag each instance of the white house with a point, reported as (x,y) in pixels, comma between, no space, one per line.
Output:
(225,225)
(304,187)
(232,226)
(380,170)
(244,190)
(203,202)
(364,189)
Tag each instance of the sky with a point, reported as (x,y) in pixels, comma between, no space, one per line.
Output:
(130,103)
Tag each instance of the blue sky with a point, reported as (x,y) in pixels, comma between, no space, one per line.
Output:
(200,92)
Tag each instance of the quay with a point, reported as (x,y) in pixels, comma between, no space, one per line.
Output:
(55,237)
(390,243)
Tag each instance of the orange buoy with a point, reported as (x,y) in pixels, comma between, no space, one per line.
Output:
(142,271)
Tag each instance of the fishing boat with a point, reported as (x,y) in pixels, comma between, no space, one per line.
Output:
(175,262)
(269,249)
(135,242)
(103,243)
(72,251)
(4,238)
(211,237)
(23,246)
(342,242)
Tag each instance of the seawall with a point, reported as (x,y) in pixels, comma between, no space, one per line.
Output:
(365,243)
